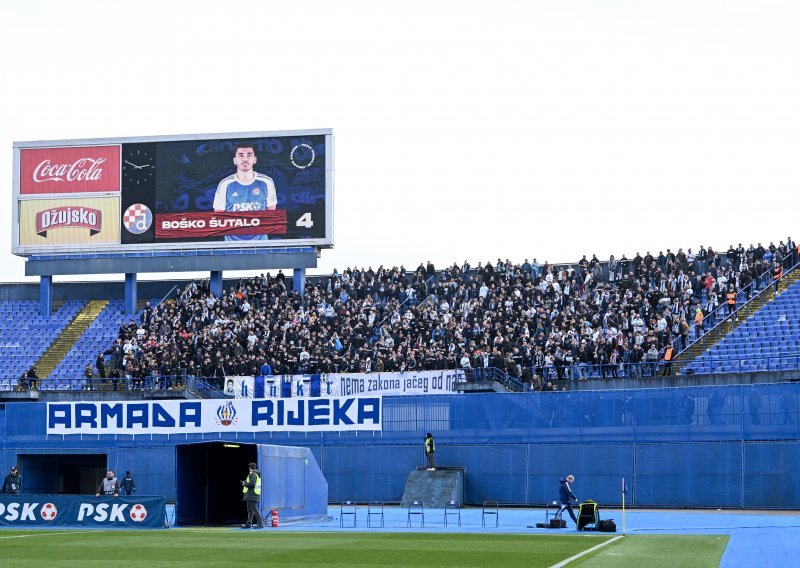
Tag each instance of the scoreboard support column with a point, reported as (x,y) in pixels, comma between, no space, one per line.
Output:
(299,284)
(45,295)
(130,293)
(216,283)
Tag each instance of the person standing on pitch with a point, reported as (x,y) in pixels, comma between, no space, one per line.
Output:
(128,484)
(430,449)
(12,484)
(566,496)
(251,489)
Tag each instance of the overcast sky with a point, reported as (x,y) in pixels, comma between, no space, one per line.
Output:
(469,130)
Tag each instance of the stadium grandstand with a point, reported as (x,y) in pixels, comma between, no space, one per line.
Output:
(530,325)
(229,336)
(675,371)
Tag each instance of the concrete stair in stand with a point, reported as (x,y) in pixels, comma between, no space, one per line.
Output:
(713,337)
(68,337)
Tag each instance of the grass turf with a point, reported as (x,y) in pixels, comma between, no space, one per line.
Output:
(658,551)
(179,548)
(204,547)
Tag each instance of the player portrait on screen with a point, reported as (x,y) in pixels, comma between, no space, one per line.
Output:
(246,190)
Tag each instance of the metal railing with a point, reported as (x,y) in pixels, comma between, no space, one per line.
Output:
(171,290)
(493,374)
(123,384)
(728,315)
(748,364)
(211,387)
(203,387)
(147,251)
(575,371)
(645,369)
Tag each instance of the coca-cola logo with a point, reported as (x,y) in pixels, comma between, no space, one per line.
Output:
(64,217)
(69,169)
(83,169)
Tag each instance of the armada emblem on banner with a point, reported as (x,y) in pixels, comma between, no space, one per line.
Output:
(137,218)
(226,414)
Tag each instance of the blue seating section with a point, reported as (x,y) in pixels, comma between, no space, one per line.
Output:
(768,341)
(25,335)
(98,337)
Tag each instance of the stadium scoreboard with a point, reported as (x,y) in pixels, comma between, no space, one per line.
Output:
(170,193)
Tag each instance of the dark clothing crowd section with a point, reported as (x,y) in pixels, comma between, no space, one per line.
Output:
(531,320)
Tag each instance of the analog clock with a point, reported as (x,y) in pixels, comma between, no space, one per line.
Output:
(138,167)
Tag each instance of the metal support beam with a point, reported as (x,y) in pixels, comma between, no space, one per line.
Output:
(143,263)
(216,283)
(300,280)
(45,296)
(130,293)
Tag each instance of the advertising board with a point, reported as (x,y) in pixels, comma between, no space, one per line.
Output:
(263,189)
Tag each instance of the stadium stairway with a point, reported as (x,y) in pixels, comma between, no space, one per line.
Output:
(747,311)
(68,337)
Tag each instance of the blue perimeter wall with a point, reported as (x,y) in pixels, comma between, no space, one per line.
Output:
(515,447)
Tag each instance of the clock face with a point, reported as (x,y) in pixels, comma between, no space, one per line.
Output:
(138,167)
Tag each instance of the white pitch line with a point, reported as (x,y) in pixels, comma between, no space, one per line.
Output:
(44,533)
(585,552)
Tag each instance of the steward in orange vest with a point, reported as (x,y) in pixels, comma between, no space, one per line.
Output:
(777,274)
(668,354)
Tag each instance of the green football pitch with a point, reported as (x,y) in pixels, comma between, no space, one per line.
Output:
(210,547)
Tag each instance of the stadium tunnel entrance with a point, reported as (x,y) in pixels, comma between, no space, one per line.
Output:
(70,474)
(208,476)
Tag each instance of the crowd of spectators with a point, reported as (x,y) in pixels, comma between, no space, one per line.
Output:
(538,322)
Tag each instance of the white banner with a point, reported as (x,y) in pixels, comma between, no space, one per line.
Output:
(326,414)
(392,384)
(239,387)
(348,384)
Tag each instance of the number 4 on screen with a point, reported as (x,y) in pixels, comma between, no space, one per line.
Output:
(305,221)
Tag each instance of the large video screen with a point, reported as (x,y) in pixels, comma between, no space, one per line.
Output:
(201,191)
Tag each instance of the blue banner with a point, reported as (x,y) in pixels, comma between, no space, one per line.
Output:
(82,511)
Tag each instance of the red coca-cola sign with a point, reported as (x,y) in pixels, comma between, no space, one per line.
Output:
(81,169)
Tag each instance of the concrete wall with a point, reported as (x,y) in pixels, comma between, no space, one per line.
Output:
(684,381)
(675,450)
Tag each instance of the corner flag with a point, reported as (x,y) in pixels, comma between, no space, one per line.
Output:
(624,492)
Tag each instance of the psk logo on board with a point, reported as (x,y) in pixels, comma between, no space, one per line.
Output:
(226,414)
